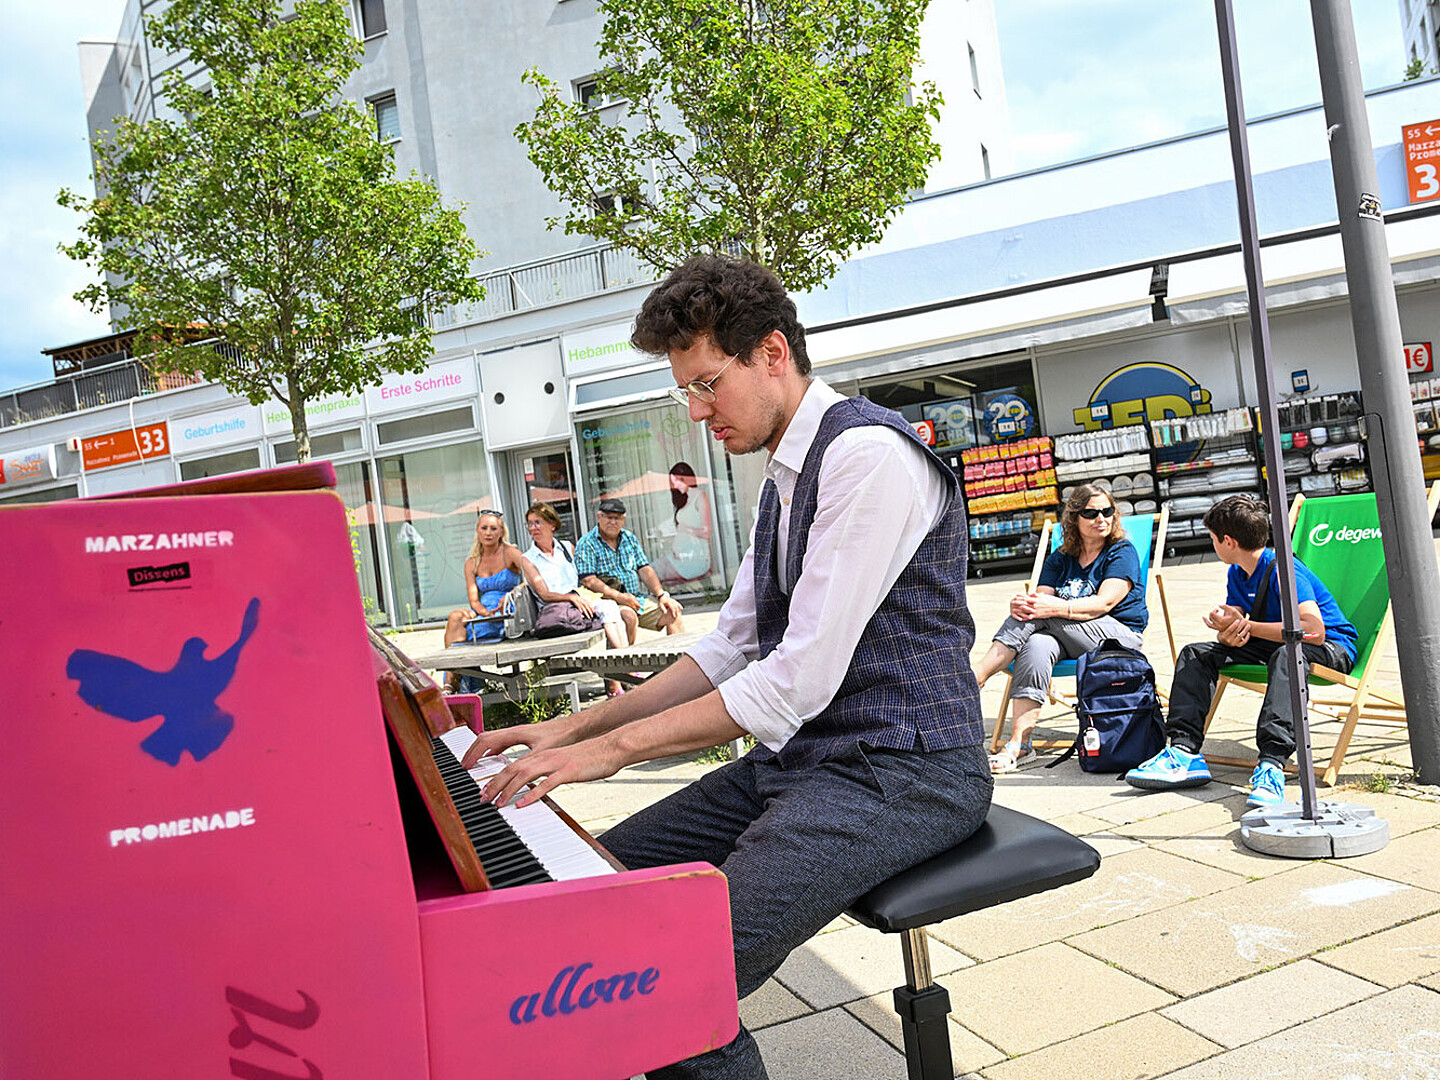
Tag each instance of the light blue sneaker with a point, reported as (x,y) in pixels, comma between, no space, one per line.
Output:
(1171,768)
(1267,785)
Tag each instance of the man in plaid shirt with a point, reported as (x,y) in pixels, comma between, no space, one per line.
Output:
(611,550)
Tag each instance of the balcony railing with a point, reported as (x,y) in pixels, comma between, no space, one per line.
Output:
(86,390)
(523,287)
(545,282)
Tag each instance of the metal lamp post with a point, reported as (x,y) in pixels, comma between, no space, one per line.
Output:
(1313,829)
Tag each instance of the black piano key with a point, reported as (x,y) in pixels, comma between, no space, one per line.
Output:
(505,858)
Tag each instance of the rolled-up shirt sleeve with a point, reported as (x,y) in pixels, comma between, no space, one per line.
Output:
(733,643)
(878,498)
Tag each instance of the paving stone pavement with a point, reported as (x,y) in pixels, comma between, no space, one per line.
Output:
(1187,956)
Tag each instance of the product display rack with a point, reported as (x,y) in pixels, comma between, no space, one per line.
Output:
(1009,492)
(1199,460)
(1117,460)
(1321,447)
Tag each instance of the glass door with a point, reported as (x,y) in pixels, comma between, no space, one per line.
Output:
(543,474)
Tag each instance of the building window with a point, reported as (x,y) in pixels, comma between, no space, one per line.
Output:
(424,426)
(387,118)
(985,160)
(328,445)
(589,94)
(668,492)
(55,494)
(428,505)
(370,17)
(611,203)
(974,71)
(220,464)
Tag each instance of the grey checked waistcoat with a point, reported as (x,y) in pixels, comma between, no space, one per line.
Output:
(909,684)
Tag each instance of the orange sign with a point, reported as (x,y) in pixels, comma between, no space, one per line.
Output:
(1422,160)
(123,447)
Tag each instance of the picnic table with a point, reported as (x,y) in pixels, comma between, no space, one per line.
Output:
(520,667)
(636,663)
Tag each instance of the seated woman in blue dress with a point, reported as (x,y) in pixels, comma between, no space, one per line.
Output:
(1087,592)
(492,569)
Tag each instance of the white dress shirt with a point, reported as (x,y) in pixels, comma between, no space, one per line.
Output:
(878,498)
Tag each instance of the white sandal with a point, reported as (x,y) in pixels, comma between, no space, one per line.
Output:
(1011,756)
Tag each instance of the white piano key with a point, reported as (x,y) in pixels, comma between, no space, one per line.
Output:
(563,853)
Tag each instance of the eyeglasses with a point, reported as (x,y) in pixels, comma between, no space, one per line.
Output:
(1090,513)
(702,391)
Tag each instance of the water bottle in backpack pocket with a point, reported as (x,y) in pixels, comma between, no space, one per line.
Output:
(1121,724)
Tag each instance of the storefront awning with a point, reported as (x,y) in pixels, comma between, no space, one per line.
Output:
(1298,272)
(988,326)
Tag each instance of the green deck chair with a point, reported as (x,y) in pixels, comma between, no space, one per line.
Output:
(1354,572)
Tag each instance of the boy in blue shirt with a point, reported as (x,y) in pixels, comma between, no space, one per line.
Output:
(1239,530)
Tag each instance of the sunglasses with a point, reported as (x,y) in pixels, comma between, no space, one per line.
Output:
(1090,513)
(491,513)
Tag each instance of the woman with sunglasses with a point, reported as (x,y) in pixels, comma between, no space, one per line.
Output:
(1087,592)
(492,569)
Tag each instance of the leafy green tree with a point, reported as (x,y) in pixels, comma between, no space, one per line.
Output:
(788,130)
(261,214)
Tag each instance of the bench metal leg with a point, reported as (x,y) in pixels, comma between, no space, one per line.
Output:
(924,1010)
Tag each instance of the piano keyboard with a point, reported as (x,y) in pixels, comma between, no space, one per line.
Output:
(515,845)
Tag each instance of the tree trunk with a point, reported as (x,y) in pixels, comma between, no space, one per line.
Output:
(298,422)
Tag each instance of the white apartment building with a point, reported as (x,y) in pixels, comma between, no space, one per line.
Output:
(443,83)
(1420,25)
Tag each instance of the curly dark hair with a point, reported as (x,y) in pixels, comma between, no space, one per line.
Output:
(1244,518)
(734,302)
(1070,519)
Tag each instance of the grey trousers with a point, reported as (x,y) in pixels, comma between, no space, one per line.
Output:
(1040,644)
(800,845)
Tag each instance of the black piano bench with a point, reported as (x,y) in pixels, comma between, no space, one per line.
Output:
(1011,855)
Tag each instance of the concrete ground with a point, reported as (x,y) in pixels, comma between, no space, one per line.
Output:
(1186,956)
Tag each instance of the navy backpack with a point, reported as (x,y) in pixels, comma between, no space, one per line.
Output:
(1119,710)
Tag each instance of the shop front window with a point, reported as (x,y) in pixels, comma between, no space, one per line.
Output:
(54,494)
(429,503)
(973,405)
(655,461)
(353,484)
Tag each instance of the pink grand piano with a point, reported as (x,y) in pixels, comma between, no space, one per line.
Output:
(216,863)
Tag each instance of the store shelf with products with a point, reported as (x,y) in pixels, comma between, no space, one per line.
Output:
(1009,491)
(1425,394)
(1200,460)
(1320,444)
(1117,460)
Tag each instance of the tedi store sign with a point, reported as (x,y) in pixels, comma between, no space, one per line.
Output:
(1140,393)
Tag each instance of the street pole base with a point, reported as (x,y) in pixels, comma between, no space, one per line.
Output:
(1338,831)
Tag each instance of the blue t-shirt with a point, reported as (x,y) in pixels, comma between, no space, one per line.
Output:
(1241,591)
(1071,581)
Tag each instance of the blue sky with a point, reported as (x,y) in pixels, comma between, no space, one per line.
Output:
(1081,78)
(1085,77)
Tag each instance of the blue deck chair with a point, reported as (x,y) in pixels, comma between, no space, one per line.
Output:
(1150,526)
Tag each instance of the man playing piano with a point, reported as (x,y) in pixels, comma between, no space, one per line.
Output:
(843,648)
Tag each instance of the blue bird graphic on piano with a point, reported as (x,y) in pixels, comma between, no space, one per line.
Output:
(185,695)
